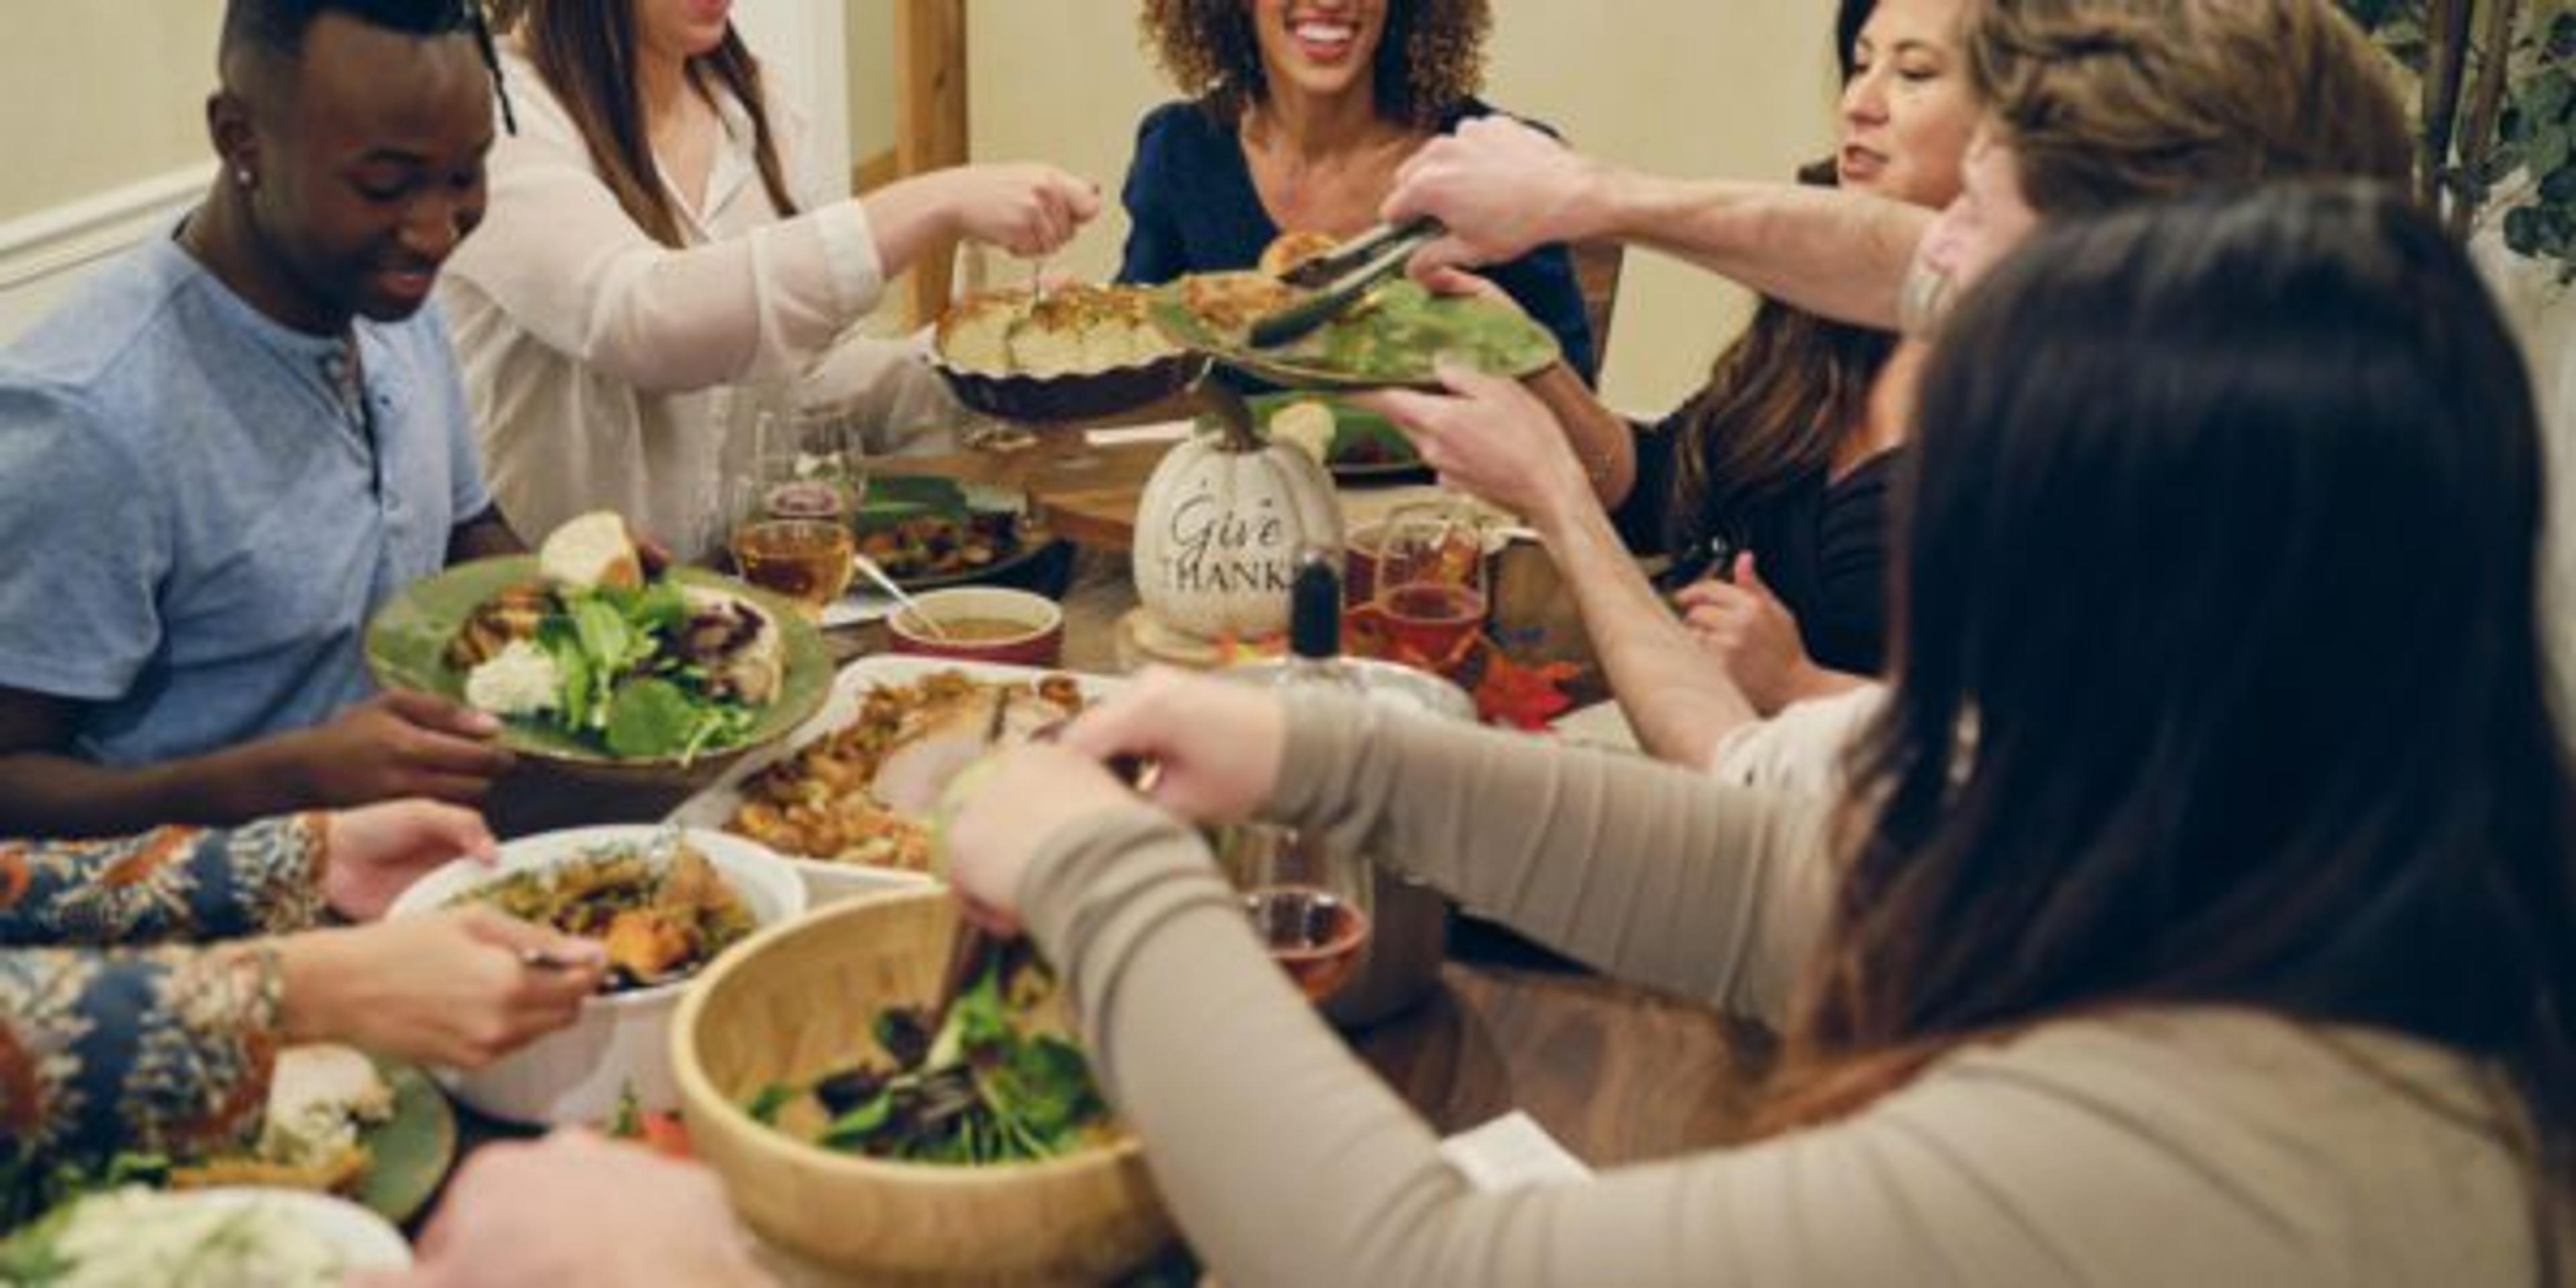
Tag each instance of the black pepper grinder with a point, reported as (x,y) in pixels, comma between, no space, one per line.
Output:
(1315,627)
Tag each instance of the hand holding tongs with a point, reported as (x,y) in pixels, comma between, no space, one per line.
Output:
(1340,276)
(968,945)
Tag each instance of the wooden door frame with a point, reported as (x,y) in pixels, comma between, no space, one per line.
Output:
(930,121)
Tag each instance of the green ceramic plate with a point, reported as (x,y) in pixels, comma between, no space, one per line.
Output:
(409,1153)
(891,497)
(1389,339)
(410,633)
(1366,446)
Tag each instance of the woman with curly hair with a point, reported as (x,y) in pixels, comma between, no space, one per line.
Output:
(1299,113)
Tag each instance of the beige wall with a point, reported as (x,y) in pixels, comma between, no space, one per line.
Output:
(1718,87)
(103,93)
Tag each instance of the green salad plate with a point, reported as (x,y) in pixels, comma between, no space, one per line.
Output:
(407,641)
(409,1153)
(1388,338)
(1365,447)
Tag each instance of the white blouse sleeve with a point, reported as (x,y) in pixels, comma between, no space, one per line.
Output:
(562,259)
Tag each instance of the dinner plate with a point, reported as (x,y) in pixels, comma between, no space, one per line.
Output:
(827,880)
(363,1238)
(408,637)
(890,497)
(411,1152)
(1491,335)
(357,1239)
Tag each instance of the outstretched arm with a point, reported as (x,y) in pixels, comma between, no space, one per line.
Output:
(393,745)
(1498,441)
(170,883)
(563,260)
(1502,188)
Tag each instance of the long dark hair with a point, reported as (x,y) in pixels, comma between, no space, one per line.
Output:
(1779,397)
(585,52)
(2220,675)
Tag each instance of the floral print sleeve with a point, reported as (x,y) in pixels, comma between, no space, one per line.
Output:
(173,883)
(155,1051)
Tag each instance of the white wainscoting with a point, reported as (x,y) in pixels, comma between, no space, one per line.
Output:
(43,254)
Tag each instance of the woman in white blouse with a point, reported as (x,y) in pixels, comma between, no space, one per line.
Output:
(656,249)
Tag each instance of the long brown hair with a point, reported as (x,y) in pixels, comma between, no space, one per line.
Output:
(585,52)
(1779,397)
(2158,735)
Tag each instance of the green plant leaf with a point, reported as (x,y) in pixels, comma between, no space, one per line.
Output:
(2522,231)
(2546,96)
(2547,150)
(2559,189)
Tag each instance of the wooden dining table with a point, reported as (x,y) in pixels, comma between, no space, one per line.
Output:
(1617,1073)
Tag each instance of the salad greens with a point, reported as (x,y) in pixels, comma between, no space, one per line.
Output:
(1399,329)
(621,680)
(978,1091)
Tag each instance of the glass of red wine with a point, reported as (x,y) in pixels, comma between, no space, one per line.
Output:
(1309,904)
(1430,578)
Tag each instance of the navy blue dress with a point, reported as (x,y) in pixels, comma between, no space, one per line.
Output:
(1192,208)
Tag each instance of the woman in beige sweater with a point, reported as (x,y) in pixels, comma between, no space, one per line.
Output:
(2201,912)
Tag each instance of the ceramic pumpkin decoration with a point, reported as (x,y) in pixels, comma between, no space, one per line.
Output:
(1220,527)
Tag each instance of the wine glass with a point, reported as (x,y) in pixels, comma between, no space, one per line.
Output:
(791,539)
(1309,903)
(1430,585)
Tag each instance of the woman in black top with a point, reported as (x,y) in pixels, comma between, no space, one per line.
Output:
(1820,538)
(1300,111)
(1776,473)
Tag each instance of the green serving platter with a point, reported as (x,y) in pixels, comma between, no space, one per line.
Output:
(407,639)
(1390,339)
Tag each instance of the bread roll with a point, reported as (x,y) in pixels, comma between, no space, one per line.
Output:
(590,552)
(1288,250)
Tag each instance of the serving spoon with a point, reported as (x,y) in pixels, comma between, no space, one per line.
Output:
(875,572)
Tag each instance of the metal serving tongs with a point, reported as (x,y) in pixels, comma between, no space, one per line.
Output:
(1341,276)
(968,945)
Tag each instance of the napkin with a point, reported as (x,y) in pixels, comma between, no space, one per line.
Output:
(1509,1152)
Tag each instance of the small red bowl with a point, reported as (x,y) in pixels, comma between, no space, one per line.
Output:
(1038,641)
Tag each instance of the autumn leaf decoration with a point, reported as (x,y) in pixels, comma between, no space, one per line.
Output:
(1521,695)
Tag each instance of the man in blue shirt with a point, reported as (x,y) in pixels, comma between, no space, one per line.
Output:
(219,457)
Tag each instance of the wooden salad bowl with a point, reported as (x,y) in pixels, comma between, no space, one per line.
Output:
(801,998)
